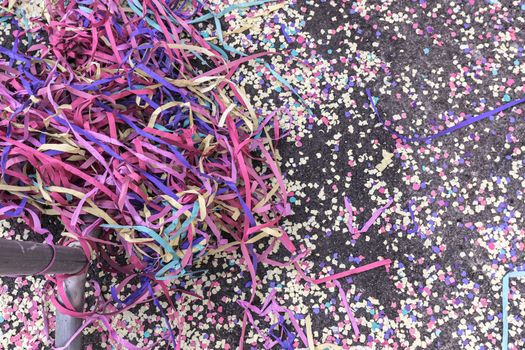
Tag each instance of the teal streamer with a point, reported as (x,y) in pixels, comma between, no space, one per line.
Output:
(171,227)
(137,8)
(173,264)
(219,50)
(225,46)
(188,221)
(150,233)
(228,10)
(505,306)
(288,86)
(160,275)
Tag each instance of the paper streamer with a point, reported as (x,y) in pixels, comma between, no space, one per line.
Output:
(505,306)
(447,131)
(121,118)
(366,226)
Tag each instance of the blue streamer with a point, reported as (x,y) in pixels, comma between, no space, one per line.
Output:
(505,306)
(150,233)
(458,126)
(228,10)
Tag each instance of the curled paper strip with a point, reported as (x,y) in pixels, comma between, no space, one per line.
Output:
(356,232)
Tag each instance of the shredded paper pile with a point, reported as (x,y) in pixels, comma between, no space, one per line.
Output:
(128,128)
